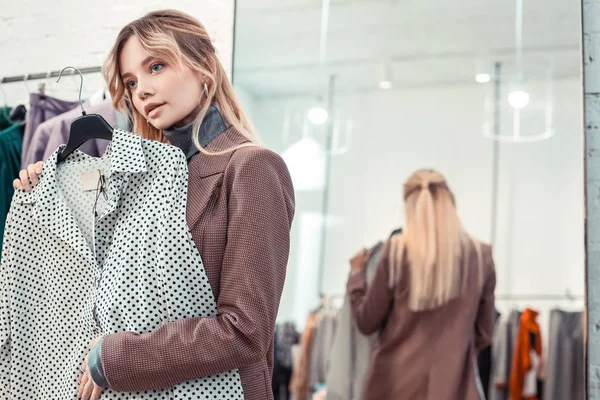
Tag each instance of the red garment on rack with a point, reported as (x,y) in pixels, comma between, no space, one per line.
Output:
(522,362)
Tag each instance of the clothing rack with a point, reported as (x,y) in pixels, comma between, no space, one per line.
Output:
(46,75)
(540,297)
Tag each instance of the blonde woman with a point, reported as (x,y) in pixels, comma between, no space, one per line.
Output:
(240,207)
(431,300)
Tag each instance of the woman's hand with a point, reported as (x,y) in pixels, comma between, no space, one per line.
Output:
(358,263)
(28,178)
(88,390)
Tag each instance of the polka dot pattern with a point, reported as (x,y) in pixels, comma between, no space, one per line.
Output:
(78,264)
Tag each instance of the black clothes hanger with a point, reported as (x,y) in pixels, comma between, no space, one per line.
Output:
(84,128)
(395,231)
(18,114)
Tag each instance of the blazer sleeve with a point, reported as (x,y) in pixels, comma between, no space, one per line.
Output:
(260,212)
(486,313)
(371,307)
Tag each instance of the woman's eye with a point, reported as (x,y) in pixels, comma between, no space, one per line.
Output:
(130,84)
(156,67)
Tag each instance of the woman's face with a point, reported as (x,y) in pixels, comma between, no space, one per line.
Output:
(166,95)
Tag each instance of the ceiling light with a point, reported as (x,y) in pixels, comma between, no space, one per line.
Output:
(482,78)
(518,98)
(317,115)
(384,75)
(305,160)
(385,84)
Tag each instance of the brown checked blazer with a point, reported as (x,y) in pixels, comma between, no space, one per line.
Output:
(239,211)
(424,355)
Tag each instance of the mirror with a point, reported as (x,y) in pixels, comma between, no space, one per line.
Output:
(357,95)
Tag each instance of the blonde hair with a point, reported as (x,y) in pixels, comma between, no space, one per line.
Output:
(436,245)
(178,38)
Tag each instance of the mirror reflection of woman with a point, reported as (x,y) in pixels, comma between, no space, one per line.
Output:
(431,300)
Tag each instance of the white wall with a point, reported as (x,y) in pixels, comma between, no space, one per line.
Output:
(539,247)
(40,36)
(246,101)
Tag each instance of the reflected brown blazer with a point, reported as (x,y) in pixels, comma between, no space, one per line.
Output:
(426,355)
(239,211)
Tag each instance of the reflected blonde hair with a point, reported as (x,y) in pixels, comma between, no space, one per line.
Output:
(436,245)
(177,38)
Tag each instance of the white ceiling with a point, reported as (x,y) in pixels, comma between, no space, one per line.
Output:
(277,43)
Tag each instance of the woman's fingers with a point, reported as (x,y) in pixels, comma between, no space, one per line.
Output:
(24,175)
(82,381)
(17,185)
(33,175)
(87,390)
(96,393)
(29,177)
(38,167)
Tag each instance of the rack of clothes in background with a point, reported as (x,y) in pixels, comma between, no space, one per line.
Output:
(520,365)
(331,357)
(33,131)
(301,360)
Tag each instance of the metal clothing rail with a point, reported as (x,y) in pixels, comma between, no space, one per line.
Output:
(541,297)
(46,75)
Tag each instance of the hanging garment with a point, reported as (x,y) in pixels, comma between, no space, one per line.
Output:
(10,162)
(426,355)
(526,358)
(565,368)
(116,259)
(505,339)
(280,382)
(299,384)
(285,337)
(52,133)
(351,350)
(5,121)
(323,340)
(484,366)
(41,108)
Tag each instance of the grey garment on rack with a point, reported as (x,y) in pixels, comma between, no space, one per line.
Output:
(505,338)
(286,336)
(565,366)
(351,352)
(41,108)
(321,346)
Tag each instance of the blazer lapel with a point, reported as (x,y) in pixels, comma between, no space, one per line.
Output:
(206,174)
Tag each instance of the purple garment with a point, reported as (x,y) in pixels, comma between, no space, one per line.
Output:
(41,108)
(54,132)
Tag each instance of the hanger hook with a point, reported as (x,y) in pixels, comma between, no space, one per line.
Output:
(80,85)
(25,78)
(569,295)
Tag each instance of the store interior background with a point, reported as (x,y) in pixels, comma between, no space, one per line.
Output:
(435,114)
(281,56)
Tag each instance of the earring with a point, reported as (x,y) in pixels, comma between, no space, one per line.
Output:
(147,122)
(206,89)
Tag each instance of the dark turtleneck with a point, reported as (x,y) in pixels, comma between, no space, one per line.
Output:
(212,126)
